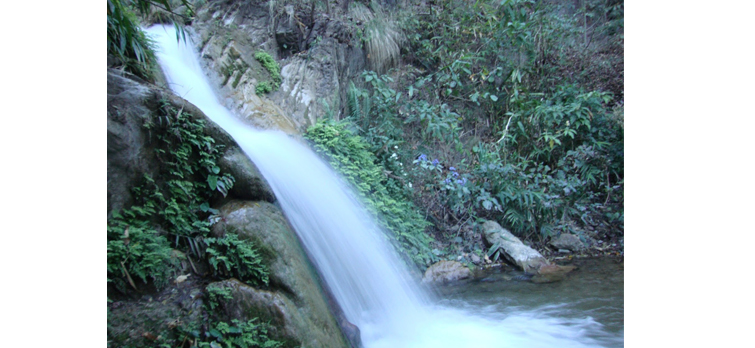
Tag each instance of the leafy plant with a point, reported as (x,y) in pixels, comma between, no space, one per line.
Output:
(242,334)
(273,69)
(127,43)
(230,256)
(217,293)
(135,250)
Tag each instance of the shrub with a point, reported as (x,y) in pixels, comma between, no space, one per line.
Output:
(273,69)
(385,197)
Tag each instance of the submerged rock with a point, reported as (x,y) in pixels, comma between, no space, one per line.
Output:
(446,271)
(551,273)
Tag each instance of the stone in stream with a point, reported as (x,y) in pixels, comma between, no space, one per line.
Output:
(551,273)
(528,259)
(446,271)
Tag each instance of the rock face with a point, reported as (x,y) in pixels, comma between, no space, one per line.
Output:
(528,259)
(446,271)
(317,53)
(130,149)
(298,306)
(568,241)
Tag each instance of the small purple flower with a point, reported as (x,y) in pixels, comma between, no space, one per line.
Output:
(422,157)
(448,181)
(460,182)
(455,174)
(435,162)
(452,169)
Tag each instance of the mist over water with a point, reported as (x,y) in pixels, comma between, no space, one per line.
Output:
(366,277)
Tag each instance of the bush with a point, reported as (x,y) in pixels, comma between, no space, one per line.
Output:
(273,69)
(386,197)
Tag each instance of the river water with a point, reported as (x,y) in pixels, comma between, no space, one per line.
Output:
(365,275)
(593,293)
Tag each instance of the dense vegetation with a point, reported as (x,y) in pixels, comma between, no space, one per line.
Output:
(173,213)
(507,110)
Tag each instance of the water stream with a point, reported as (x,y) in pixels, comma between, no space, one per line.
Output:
(345,244)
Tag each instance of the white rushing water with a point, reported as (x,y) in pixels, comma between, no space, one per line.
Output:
(345,244)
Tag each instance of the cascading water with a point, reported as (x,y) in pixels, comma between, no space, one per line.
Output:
(364,275)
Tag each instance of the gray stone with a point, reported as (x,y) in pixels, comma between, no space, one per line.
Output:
(528,259)
(446,271)
(567,241)
(475,259)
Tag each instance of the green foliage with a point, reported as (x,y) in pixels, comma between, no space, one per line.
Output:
(384,196)
(242,334)
(497,97)
(263,87)
(174,210)
(191,158)
(272,67)
(230,256)
(127,43)
(216,293)
(135,249)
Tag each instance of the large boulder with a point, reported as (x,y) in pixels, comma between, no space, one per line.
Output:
(528,259)
(446,271)
(296,301)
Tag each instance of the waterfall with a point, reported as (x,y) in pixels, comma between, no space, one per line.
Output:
(365,276)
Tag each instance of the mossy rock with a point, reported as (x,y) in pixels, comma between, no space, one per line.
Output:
(295,294)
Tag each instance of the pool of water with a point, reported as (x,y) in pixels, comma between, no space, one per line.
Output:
(592,294)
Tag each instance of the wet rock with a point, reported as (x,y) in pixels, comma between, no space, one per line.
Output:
(269,306)
(250,184)
(528,259)
(567,241)
(296,298)
(446,271)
